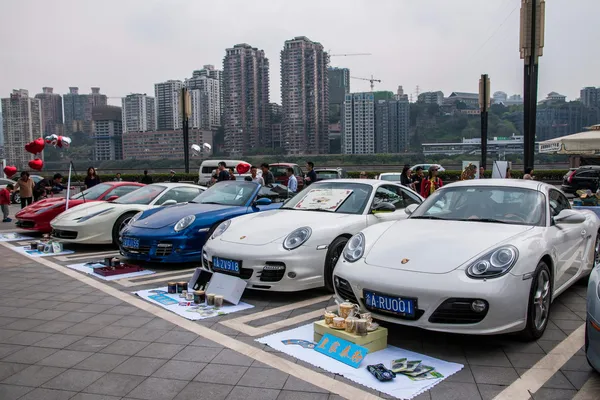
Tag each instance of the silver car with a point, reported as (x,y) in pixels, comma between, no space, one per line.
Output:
(592,325)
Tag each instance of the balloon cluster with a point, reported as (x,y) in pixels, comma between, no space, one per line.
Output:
(197,149)
(36,147)
(59,141)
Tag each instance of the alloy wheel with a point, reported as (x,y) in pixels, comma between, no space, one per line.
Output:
(124,224)
(541,300)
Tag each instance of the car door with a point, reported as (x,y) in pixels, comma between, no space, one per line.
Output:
(567,239)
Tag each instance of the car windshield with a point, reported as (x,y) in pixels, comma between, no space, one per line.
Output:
(92,193)
(391,177)
(144,195)
(327,174)
(495,204)
(338,197)
(228,193)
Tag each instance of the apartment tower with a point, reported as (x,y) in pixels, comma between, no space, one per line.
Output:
(108,132)
(52,112)
(139,114)
(22,123)
(168,105)
(358,133)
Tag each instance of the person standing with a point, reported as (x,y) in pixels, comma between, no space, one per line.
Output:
(173,177)
(311,175)
(528,174)
(431,183)
(508,174)
(118,177)
(292,181)
(231,174)
(481,172)
(255,177)
(5,201)
(222,174)
(418,178)
(146,179)
(91,179)
(405,177)
(25,185)
(363,175)
(267,174)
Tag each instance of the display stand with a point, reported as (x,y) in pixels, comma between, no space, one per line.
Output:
(374,341)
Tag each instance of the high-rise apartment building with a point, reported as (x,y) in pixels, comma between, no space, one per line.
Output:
(358,132)
(392,122)
(212,72)
(305,96)
(52,112)
(168,105)
(22,123)
(205,92)
(139,113)
(339,86)
(78,110)
(590,96)
(108,132)
(246,111)
(432,98)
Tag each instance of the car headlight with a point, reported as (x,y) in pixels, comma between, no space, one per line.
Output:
(90,216)
(297,238)
(184,223)
(135,218)
(494,264)
(221,229)
(355,248)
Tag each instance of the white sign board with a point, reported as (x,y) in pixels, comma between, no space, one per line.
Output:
(466,164)
(323,199)
(499,169)
(230,287)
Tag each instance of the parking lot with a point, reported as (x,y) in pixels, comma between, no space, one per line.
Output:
(503,367)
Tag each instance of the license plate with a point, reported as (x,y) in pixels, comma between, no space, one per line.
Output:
(401,306)
(131,243)
(225,264)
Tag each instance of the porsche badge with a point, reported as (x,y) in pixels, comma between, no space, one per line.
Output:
(242,237)
(404,260)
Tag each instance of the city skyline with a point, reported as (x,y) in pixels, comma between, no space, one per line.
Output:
(438,46)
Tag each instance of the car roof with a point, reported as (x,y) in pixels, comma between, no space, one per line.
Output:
(171,185)
(282,163)
(588,167)
(371,182)
(518,183)
(390,173)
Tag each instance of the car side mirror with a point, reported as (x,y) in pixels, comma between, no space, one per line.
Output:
(567,216)
(383,207)
(410,209)
(264,201)
(112,198)
(169,202)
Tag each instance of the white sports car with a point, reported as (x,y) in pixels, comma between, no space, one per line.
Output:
(297,246)
(479,257)
(100,223)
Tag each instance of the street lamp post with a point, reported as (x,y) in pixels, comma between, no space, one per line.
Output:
(186,112)
(484,105)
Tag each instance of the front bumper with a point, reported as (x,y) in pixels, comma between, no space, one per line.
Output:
(440,297)
(176,249)
(270,266)
(67,232)
(33,225)
(592,350)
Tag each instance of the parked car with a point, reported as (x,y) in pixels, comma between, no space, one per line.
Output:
(101,223)
(15,197)
(297,246)
(279,172)
(390,176)
(208,167)
(592,323)
(178,233)
(331,173)
(38,215)
(502,251)
(427,166)
(582,178)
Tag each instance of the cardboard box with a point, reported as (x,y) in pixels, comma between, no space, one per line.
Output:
(374,341)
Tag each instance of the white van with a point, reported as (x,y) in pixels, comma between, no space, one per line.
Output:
(209,166)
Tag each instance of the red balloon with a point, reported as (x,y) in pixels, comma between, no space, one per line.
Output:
(36,164)
(59,142)
(10,170)
(35,147)
(242,168)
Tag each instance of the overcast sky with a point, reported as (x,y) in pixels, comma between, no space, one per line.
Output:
(125,46)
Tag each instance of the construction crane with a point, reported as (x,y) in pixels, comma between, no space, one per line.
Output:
(350,55)
(371,80)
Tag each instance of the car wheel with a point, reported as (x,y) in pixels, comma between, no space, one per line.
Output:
(540,296)
(334,252)
(16,198)
(119,225)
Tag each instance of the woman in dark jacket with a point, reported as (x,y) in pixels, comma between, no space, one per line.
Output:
(405,178)
(91,179)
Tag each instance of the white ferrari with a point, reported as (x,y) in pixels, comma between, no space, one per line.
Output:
(297,246)
(100,223)
(480,257)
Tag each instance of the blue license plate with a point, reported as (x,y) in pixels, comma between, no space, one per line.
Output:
(401,306)
(131,243)
(225,264)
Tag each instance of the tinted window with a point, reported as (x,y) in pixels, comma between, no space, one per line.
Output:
(558,202)
(208,170)
(391,178)
(587,174)
(92,193)
(327,175)
(394,195)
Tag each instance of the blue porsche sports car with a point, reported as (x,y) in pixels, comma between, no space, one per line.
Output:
(176,234)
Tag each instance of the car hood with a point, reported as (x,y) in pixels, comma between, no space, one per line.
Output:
(55,204)
(164,216)
(268,226)
(437,247)
(86,209)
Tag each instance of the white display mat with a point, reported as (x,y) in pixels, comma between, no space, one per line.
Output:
(13,236)
(401,386)
(90,270)
(185,311)
(34,253)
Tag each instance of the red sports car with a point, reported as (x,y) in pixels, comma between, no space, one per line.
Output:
(37,216)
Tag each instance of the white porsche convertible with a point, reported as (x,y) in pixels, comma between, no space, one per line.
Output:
(480,257)
(297,246)
(100,223)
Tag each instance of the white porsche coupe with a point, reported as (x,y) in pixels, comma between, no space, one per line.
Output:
(480,257)
(297,246)
(100,223)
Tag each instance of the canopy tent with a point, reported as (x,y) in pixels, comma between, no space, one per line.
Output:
(587,142)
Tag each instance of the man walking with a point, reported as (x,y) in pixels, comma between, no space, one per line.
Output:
(292,181)
(146,179)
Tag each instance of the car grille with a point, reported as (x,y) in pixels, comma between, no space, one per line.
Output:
(64,234)
(142,250)
(245,273)
(272,272)
(164,249)
(23,223)
(457,311)
(344,289)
